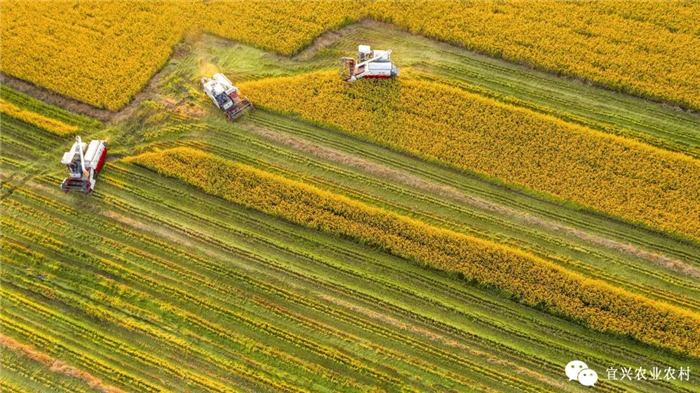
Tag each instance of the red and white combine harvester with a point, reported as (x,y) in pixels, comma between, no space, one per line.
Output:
(84,162)
(226,96)
(370,64)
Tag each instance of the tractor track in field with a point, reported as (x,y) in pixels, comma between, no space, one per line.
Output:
(454,194)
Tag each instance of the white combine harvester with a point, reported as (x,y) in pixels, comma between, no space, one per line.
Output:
(226,96)
(84,162)
(370,64)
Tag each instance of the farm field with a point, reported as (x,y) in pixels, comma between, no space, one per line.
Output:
(614,44)
(539,152)
(160,282)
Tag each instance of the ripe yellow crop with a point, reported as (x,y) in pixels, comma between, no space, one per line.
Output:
(534,281)
(101,53)
(104,52)
(281,26)
(647,49)
(51,125)
(609,173)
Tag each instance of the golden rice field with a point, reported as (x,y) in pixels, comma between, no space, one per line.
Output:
(526,193)
(616,44)
(612,174)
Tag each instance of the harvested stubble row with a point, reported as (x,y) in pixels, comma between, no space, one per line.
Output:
(615,175)
(530,279)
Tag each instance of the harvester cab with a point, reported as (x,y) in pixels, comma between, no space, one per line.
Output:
(84,162)
(369,64)
(226,96)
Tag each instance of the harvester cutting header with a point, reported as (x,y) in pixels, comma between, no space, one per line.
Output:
(226,96)
(369,64)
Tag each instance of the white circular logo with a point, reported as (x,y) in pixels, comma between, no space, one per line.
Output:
(573,368)
(587,377)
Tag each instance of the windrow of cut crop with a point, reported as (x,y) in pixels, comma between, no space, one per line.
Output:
(611,174)
(531,280)
(51,125)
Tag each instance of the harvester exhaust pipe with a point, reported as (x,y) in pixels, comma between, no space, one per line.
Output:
(82,157)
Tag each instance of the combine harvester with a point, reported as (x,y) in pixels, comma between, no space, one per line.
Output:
(226,96)
(84,162)
(370,64)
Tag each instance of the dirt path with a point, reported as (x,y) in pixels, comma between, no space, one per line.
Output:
(454,194)
(53,98)
(181,50)
(329,37)
(81,108)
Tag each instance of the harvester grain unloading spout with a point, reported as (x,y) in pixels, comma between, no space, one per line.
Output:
(226,96)
(369,64)
(84,162)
